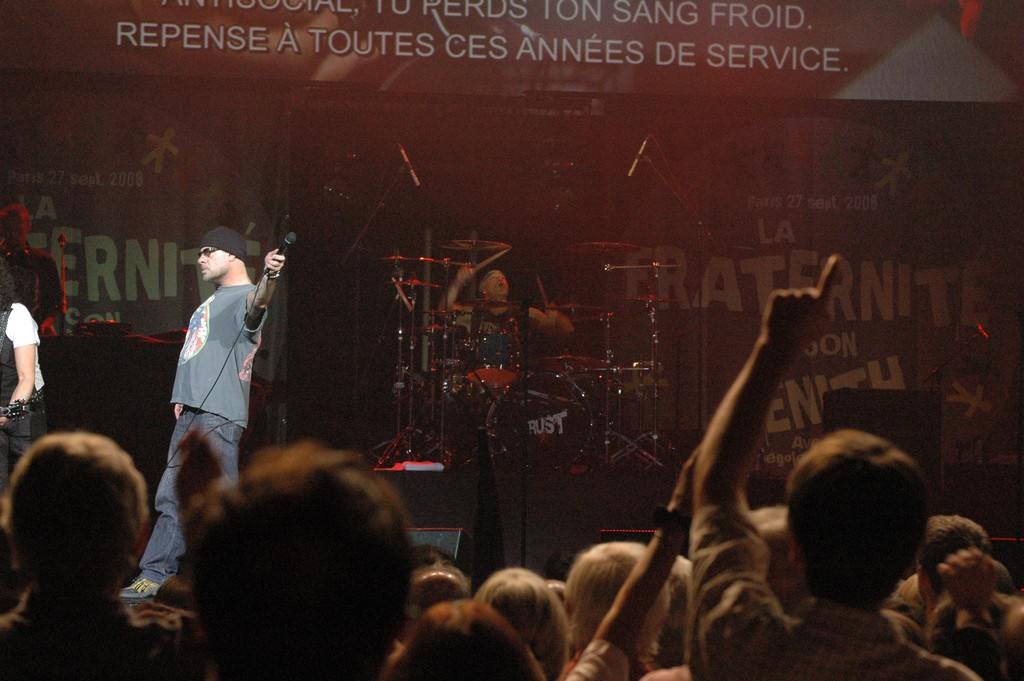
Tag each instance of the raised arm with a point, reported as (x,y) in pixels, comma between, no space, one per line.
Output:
(462,277)
(264,291)
(621,625)
(793,318)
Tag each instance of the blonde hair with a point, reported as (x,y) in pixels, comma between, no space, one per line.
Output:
(486,278)
(535,611)
(592,585)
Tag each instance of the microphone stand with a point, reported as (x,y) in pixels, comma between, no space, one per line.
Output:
(356,298)
(956,354)
(400,448)
(1019,487)
(62,240)
(938,374)
(373,215)
(524,444)
(668,180)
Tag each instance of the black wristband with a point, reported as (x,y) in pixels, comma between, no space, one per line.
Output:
(667,519)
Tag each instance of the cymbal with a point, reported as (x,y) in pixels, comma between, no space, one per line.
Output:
(429,328)
(474,245)
(649,266)
(403,257)
(414,282)
(447,262)
(636,366)
(603,247)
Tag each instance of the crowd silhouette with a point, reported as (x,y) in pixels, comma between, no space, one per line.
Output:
(303,569)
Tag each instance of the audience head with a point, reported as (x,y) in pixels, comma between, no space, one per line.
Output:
(302,570)
(905,626)
(75,512)
(558,564)
(907,599)
(535,611)
(1004,580)
(15,224)
(1012,636)
(857,510)
(462,641)
(593,584)
(432,585)
(943,535)
(428,555)
(557,586)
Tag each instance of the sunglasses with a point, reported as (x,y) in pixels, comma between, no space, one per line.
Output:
(207,251)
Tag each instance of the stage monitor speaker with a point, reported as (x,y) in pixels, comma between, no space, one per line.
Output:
(454,541)
(910,419)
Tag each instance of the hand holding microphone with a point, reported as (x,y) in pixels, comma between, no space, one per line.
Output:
(275,259)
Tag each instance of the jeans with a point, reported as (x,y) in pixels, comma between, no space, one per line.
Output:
(17,436)
(167,542)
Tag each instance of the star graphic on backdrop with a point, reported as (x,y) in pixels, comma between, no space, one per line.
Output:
(897,168)
(162,147)
(974,402)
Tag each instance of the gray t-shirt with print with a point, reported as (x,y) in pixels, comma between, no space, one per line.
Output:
(216,332)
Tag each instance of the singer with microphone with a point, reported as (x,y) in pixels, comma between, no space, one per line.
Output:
(211,386)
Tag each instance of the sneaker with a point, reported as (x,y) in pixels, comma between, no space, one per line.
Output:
(140,589)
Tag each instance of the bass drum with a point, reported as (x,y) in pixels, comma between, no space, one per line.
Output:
(559,422)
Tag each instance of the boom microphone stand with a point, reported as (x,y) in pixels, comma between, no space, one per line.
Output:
(669,181)
(403,386)
(62,240)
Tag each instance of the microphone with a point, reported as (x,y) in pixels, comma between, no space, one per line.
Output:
(408,164)
(639,155)
(289,239)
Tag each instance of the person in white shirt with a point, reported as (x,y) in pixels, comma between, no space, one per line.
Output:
(23,417)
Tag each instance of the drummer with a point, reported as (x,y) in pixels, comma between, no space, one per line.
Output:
(495,315)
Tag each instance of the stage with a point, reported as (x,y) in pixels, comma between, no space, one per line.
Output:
(564,512)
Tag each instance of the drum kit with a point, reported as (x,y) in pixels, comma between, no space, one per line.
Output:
(454,375)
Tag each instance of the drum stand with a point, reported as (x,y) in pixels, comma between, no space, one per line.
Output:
(626,445)
(400,448)
(652,435)
(443,366)
(629,446)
